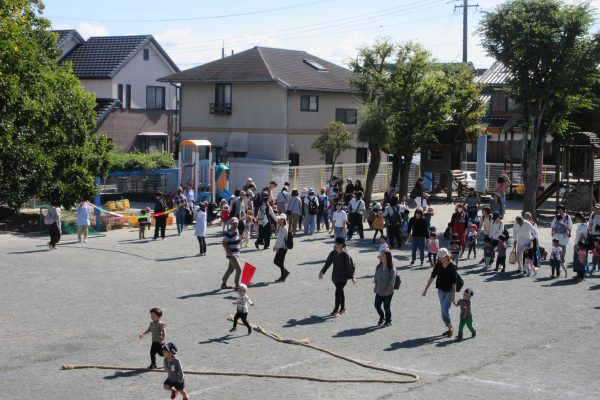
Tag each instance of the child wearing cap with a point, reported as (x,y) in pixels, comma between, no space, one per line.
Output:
(175,380)
(242,308)
(157,329)
(466,318)
(472,240)
(225,216)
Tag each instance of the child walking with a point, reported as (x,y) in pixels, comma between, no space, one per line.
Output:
(175,382)
(528,257)
(580,263)
(488,252)
(157,329)
(225,217)
(250,223)
(472,240)
(383,246)
(379,222)
(142,223)
(433,245)
(466,317)
(242,308)
(557,259)
(501,253)
(455,248)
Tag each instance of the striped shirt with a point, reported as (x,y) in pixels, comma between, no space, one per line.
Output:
(180,201)
(232,241)
(157,329)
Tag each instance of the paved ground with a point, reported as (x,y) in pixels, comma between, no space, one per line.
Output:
(86,303)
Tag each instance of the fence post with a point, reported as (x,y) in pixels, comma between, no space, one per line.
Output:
(97,200)
(296,177)
(385,177)
(320,175)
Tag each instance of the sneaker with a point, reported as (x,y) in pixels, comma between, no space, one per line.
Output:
(85,240)
(380,322)
(412,262)
(343,311)
(224,286)
(256,245)
(286,274)
(164,238)
(459,336)
(232,329)
(387,324)
(249,331)
(473,334)
(151,366)
(334,313)
(173,394)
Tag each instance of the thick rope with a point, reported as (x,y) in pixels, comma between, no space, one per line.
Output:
(302,342)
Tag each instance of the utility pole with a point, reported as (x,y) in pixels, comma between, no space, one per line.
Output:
(465,6)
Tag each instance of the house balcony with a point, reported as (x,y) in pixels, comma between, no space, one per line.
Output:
(220,108)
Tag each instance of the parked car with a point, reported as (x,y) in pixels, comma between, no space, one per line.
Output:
(471,179)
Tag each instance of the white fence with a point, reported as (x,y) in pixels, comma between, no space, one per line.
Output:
(494,170)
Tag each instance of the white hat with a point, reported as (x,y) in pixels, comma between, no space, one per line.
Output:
(443,252)
(249,180)
(377,206)
(311,190)
(243,287)
(234,220)
(282,216)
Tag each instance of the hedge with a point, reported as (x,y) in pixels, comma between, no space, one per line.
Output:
(140,161)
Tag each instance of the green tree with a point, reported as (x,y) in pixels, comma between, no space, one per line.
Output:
(553,61)
(333,141)
(47,120)
(372,78)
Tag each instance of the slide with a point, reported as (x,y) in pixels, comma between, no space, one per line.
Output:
(224,194)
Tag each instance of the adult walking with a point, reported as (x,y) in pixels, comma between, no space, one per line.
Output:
(53,220)
(472,202)
(458,225)
(282,200)
(343,271)
(323,210)
(535,241)
(280,247)
(496,205)
(160,222)
(294,210)
(201,228)
(385,276)
(393,215)
(311,205)
(417,193)
(444,273)
(231,244)
(497,229)
(348,190)
(594,223)
(502,185)
(263,219)
(562,225)
(357,209)
(180,202)
(83,221)
(339,220)
(523,232)
(418,232)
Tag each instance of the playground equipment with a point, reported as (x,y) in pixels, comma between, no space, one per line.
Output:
(222,182)
(196,168)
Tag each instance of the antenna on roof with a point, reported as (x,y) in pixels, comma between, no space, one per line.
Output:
(223,50)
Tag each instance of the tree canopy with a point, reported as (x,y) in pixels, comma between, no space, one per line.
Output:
(553,59)
(47,121)
(333,141)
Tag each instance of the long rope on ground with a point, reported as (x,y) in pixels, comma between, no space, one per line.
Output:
(302,342)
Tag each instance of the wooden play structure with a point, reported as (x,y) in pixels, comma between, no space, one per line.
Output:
(577,174)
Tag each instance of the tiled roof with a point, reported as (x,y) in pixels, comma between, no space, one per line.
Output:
(104,107)
(102,57)
(496,75)
(289,68)
(63,34)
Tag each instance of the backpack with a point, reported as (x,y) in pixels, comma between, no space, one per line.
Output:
(404,227)
(459,282)
(312,206)
(505,234)
(395,219)
(322,201)
(289,241)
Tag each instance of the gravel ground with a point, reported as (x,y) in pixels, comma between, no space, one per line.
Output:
(85,303)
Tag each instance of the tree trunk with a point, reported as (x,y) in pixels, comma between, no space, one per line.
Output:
(405,173)
(372,172)
(532,162)
(395,170)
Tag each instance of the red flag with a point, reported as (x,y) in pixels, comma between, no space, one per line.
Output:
(247,273)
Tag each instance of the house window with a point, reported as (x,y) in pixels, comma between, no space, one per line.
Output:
(120,94)
(146,54)
(153,145)
(309,103)
(346,115)
(222,104)
(499,101)
(361,155)
(127,96)
(155,97)
(328,159)
(294,159)
(435,155)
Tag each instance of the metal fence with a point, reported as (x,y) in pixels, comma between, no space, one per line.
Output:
(494,170)
(318,175)
(139,182)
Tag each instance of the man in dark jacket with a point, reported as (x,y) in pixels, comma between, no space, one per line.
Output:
(161,221)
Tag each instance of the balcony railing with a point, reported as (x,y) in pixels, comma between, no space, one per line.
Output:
(220,108)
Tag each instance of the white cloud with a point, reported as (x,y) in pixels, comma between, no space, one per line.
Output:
(86,29)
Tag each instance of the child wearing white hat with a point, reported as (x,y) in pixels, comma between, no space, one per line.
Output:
(242,308)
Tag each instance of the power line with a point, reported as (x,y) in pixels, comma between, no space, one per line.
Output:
(241,14)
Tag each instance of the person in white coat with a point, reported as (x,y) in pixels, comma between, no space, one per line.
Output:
(201,228)
(83,221)
(524,233)
(562,225)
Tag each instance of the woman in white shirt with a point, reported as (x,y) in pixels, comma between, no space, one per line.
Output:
(496,230)
(340,220)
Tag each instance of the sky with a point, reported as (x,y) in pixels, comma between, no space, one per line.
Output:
(193,32)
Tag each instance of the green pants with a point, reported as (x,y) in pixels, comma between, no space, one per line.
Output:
(466,321)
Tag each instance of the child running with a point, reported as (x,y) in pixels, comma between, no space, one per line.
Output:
(242,308)
(175,382)
(157,328)
(557,259)
(488,252)
(501,253)
(466,318)
(433,245)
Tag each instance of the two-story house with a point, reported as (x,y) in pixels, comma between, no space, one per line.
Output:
(133,108)
(267,103)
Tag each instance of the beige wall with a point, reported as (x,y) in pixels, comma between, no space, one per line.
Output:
(302,145)
(102,88)
(267,146)
(254,105)
(139,74)
(328,103)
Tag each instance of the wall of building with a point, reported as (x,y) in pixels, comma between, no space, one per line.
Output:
(102,88)
(328,103)
(139,74)
(122,126)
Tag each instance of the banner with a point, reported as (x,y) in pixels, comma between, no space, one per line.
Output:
(114,214)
